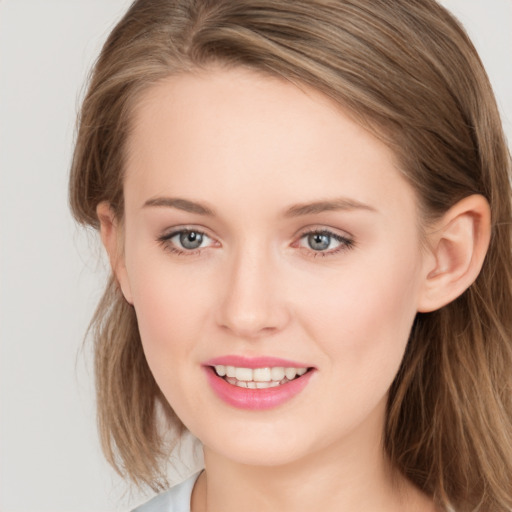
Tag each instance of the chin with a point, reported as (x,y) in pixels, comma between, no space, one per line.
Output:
(259,457)
(258,447)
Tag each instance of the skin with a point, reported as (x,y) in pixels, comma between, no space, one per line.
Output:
(252,151)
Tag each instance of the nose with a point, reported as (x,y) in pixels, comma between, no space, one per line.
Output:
(253,302)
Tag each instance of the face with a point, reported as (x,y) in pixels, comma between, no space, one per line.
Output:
(273,258)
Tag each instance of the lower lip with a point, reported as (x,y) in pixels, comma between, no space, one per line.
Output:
(255,399)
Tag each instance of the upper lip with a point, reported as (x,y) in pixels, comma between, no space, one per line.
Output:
(254,362)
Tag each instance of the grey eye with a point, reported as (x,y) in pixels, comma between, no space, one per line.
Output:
(191,239)
(319,241)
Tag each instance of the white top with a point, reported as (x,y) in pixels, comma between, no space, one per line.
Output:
(176,499)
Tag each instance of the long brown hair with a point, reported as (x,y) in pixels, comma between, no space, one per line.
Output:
(406,70)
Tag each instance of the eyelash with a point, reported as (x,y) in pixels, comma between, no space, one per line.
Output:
(165,240)
(345,243)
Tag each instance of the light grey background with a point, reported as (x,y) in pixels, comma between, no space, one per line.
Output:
(50,278)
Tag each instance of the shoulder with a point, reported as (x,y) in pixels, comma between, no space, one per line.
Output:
(176,499)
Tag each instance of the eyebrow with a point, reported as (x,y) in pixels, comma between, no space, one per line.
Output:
(341,203)
(180,204)
(294,211)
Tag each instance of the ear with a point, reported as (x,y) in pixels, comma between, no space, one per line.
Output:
(458,243)
(112,238)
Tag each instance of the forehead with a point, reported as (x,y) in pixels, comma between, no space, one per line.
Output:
(239,131)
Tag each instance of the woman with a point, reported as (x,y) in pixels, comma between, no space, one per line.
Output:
(306,205)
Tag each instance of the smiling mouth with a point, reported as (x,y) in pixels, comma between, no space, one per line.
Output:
(259,378)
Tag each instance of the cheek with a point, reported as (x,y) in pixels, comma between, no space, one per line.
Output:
(362,328)
(166,313)
(171,319)
(362,317)
(171,308)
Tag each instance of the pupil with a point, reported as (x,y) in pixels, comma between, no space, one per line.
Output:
(191,240)
(319,241)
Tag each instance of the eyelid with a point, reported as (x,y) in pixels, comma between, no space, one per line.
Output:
(321,228)
(346,241)
(168,235)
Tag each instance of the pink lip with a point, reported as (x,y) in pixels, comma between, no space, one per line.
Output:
(255,399)
(254,362)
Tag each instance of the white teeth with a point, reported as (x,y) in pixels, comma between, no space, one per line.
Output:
(221,370)
(243,374)
(290,373)
(261,375)
(258,378)
(262,385)
(277,373)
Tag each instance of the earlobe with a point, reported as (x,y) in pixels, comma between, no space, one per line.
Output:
(459,244)
(111,237)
